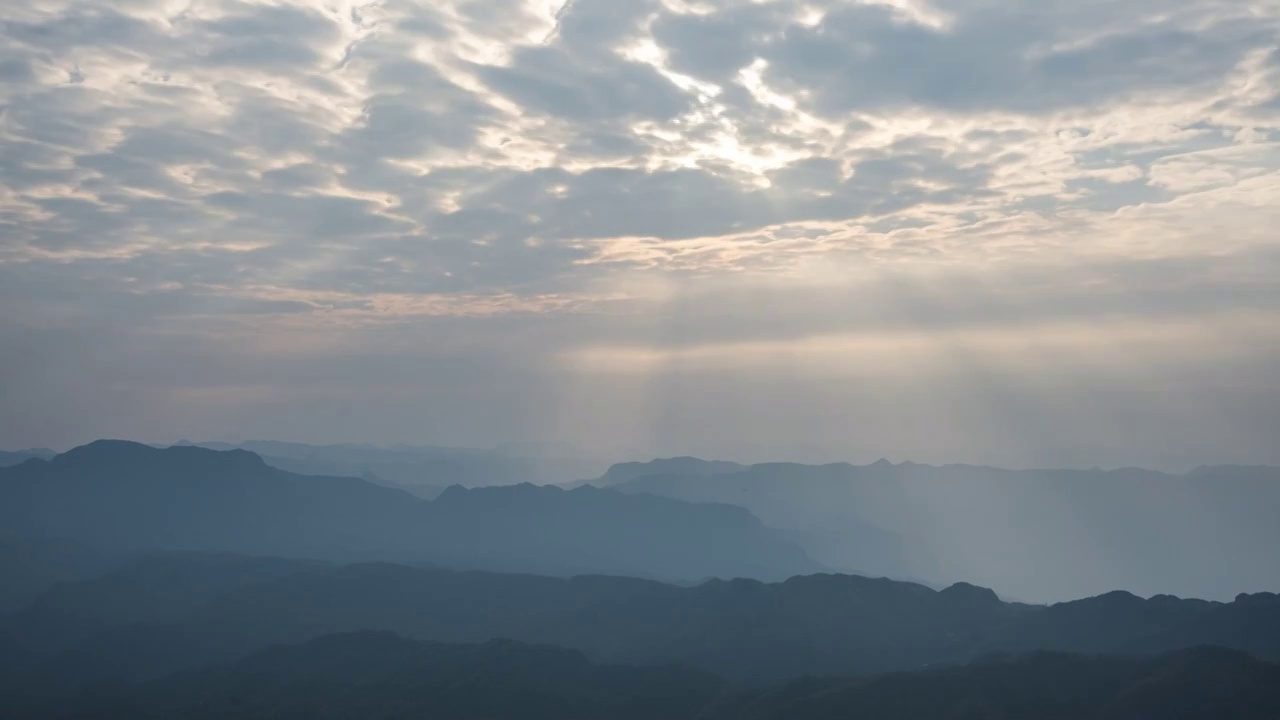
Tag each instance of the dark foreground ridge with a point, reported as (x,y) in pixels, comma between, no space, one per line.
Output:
(168,613)
(380,675)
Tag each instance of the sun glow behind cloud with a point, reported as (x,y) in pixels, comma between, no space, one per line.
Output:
(560,190)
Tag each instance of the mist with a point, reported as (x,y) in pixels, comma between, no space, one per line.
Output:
(751,370)
(639,359)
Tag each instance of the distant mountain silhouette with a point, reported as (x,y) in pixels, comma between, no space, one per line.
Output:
(549,530)
(381,675)
(122,495)
(9,458)
(1035,534)
(164,614)
(142,584)
(424,492)
(126,496)
(405,465)
(623,472)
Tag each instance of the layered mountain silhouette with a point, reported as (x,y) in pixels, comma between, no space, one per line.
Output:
(167,613)
(9,458)
(121,496)
(372,674)
(29,567)
(619,473)
(381,675)
(1193,684)
(1035,534)
(412,466)
(191,582)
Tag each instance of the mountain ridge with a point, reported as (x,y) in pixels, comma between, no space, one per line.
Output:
(130,496)
(371,674)
(826,624)
(1036,534)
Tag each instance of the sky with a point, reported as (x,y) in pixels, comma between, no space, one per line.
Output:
(1015,232)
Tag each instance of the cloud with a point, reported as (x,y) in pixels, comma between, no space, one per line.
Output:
(1010,57)
(549,81)
(525,179)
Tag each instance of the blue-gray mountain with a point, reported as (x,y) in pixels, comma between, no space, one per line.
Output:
(380,675)
(107,632)
(30,566)
(9,458)
(419,467)
(1034,534)
(167,613)
(125,497)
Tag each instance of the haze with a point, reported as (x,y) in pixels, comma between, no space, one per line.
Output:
(1020,233)
(640,359)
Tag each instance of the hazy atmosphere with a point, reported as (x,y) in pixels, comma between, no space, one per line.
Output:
(639,359)
(1032,233)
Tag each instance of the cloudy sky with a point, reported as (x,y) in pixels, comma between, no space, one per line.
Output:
(1023,232)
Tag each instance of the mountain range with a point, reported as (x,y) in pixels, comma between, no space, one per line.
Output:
(9,458)
(164,613)
(381,675)
(30,566)
(143,582)
(1033,534)
(127,497)
(411,466)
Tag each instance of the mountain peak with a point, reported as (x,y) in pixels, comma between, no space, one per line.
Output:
(105,450)
(116,452)
(520,491)
(1259,599)
(971,593)
(683,465)
(451,493)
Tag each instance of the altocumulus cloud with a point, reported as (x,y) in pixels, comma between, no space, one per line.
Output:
(1022,231)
